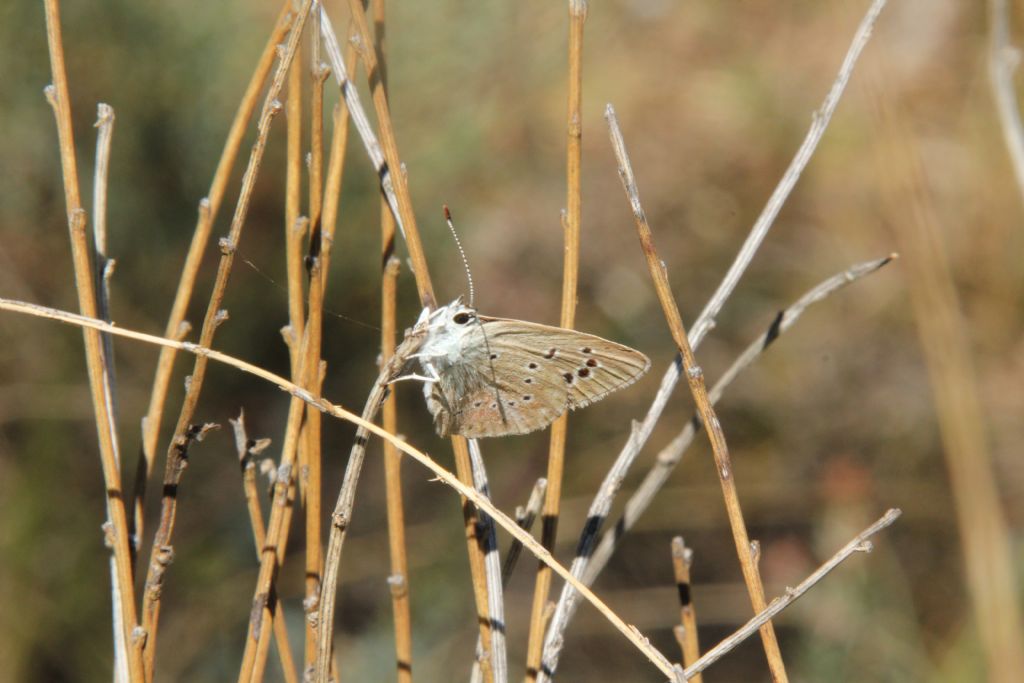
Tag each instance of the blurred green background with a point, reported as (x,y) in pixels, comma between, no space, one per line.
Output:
(835,424)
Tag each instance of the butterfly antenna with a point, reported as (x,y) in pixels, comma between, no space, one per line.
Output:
(465,262)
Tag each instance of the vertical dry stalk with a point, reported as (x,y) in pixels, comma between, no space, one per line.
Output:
(322,241)
(104,270)
(293,236)
(117,520)
(943,333)
(570,268)
(398,580)
(214,316)
(177,328)
(686,632)
(247,451)
(695,378)
(492,567)
(477,567)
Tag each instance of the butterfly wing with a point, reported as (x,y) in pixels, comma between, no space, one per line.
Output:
(526,375)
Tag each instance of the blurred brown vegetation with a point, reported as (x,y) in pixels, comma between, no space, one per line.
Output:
(835,424)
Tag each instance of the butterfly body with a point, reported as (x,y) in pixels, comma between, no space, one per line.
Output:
(496,376)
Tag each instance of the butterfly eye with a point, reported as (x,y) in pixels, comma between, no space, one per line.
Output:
(462,318)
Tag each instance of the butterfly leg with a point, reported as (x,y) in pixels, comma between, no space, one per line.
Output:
(414,376)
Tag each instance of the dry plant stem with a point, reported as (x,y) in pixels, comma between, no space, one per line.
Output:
(672,453)
(398,580)
(1003,59)
(104,270)
(177,328)
(117,520)
(247,450)
(477,567)
(104,266)
(322,241)
(525,517)
(380,102)
(358,114)
(293,236)
(695,378)
(570,270)
(706,320)
(682,560)
(858,544)
(443,475)
(488,538)
(944,334)
(211,320)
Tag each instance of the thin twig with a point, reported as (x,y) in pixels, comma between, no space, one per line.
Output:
(570,277)
(293,235)
(443,475)
(492,561)
(176,327)
(104,270)
(858,544)
(695,378)
(686,631)
(247,451)
(123,596)
(214,316)
(672,453)
(398,579)
(525,516)
(1003,59)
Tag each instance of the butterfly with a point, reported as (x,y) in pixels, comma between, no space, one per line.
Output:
(495,377)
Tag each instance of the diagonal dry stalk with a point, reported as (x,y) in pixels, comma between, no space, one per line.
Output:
(213,317)
(176,327)
(337,411)
(686,631)
(570,276)
(129,640)
(247,451)
(695,378)
(398,579)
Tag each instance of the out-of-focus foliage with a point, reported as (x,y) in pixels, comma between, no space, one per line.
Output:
(833,425)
